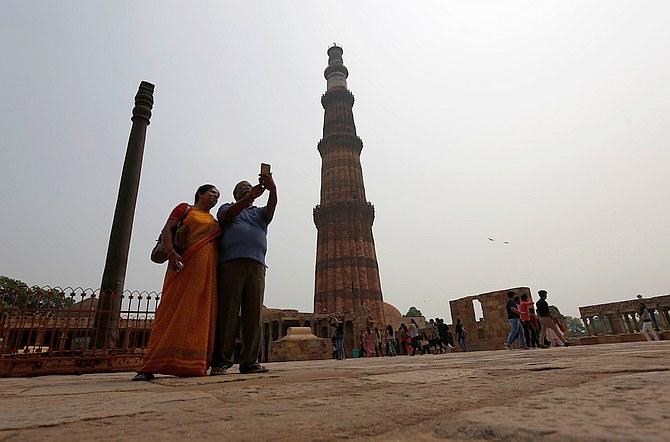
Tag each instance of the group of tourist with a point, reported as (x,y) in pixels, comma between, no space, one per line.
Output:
(530,323)
(409,340)
(532,326)
(214,286)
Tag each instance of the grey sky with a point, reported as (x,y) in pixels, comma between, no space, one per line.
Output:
(540,123)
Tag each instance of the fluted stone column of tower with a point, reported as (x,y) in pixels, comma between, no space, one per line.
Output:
(347,274)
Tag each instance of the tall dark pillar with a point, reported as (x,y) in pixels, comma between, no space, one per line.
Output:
(114,275)
(347,273)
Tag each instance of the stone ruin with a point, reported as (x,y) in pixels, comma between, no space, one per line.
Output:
(620,321)
(491,330)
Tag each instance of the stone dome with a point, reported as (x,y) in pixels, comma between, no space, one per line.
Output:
(392,314)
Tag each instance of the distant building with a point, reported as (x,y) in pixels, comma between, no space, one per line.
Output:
(620,321)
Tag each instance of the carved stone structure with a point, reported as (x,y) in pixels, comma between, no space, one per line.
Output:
(617,319)
(300,344)
(277,322)
(347,273)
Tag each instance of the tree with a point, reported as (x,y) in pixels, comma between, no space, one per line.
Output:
(575,326)
(413,311)
(19,299)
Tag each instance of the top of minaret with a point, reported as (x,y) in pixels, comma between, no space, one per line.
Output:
(336,73)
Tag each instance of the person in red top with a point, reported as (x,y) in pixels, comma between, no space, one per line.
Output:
(528,329)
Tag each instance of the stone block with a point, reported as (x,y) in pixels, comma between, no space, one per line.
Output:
(300,345)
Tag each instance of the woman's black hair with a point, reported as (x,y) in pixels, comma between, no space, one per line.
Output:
(202,189)
(389,328)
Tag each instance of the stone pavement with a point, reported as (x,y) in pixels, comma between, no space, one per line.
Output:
(603,392)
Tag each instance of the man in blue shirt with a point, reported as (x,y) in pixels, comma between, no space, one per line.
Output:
(241,275)
(514,323)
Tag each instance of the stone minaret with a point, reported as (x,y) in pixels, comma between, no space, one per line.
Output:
(347,274)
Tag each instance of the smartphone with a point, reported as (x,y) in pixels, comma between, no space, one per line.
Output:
(265,169)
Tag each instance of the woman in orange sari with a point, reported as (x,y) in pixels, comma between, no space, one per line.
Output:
(182,334)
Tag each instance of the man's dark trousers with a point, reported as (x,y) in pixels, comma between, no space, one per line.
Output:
(241,285)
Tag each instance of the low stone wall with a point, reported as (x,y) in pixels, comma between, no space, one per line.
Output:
(615,339)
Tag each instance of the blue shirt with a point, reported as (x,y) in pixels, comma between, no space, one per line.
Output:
(245,236)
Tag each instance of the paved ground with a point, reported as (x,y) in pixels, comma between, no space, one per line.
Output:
(605,392)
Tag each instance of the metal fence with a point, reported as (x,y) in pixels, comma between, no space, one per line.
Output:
(45,330)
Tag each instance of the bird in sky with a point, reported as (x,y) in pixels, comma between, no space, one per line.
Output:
(493,239)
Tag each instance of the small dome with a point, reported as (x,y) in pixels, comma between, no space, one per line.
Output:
(392,314)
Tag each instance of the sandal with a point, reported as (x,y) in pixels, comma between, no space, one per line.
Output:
(218,370)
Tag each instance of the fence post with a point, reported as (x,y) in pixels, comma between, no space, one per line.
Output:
(114,275)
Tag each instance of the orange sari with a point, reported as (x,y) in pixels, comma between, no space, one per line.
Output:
(182,334)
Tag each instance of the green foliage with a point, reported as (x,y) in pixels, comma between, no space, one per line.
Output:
(413,311)
(575,326)
(18,298)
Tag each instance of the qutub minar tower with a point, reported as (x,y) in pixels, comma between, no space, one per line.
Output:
(347,274)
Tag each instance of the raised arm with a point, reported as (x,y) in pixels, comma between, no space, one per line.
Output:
(269,184)
(234,209)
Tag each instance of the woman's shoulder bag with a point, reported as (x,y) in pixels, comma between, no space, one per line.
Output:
(158,254)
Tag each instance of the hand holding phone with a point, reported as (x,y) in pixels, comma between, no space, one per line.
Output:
(266,177)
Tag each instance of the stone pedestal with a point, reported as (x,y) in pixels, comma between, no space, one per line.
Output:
(300,345)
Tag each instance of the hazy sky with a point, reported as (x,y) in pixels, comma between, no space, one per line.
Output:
(544,124)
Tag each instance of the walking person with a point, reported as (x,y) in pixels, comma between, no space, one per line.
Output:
(651,312)
(546,321)
(241,275)
(378,342)
(460,335)
(445,335)
(390,341)
(553,337)
(363,353)
(182,333)
(339,337)
(405,339)
(414,336)
(516,332)
(425,343)
(646,324)
(524,316)
(535,324)
(436,339)
(370,344)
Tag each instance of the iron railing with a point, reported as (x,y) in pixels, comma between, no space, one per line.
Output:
(52,330)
